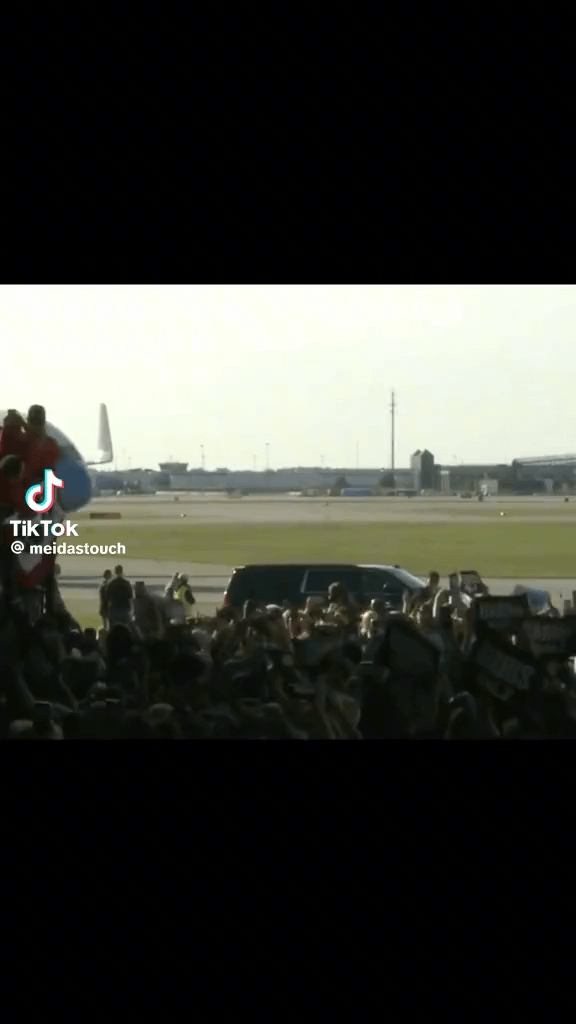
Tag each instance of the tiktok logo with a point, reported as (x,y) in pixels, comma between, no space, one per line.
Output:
(50,482)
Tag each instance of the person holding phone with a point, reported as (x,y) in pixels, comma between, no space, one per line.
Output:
(471,582)
(427,594)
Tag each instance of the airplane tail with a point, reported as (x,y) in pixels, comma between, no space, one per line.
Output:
(105,449)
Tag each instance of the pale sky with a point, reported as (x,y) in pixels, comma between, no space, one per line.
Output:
(481,373)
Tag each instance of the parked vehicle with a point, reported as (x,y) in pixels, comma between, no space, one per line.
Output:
(273,584)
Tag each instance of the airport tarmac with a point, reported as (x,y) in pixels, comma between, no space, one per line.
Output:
(81,577)
(184,509)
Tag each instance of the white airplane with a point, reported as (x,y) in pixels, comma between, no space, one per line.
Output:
(105,450)
(72,468)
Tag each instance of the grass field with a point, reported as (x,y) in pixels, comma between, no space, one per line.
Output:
(87,619)
(496,548)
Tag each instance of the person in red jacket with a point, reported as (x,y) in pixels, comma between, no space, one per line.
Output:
(12,506)
(28,440)
(43,451)
(14,436)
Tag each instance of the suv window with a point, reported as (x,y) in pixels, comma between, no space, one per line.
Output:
(271,585)
(374,582)
(407,579)
(318,580)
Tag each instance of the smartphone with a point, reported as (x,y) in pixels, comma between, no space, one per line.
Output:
(445,617)
(470,580)
(365,668)
(41,716)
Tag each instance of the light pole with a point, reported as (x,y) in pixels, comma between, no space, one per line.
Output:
(267,446)
(202,455)
(392,434)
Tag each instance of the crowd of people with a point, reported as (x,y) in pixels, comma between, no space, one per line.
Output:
(452,663)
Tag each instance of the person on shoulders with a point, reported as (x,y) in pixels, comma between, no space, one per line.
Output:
(15,436)
(43,451)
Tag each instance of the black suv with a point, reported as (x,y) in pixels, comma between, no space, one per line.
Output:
(272,584)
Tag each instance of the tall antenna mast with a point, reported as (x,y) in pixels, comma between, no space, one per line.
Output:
(392,411)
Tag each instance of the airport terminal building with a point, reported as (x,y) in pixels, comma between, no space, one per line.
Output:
(551,474)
